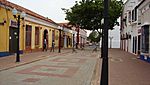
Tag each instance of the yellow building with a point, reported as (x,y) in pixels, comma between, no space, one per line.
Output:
(33,30)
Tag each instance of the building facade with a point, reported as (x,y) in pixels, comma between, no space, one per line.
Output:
(79,36)
(135,28)
(144,22)
(34,29)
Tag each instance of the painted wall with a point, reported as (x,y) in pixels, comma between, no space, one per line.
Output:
(4,30)
(41,30)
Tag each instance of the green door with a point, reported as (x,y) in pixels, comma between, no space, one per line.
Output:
(13,39)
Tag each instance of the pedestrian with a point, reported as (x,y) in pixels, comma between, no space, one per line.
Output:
(53,46)
(45,45)
(95,48)
(82,47)
(73,49)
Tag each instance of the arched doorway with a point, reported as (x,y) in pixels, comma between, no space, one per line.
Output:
(45,36)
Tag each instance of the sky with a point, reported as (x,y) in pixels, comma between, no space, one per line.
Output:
(47,8)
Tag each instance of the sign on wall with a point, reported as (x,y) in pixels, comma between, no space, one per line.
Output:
(13,23)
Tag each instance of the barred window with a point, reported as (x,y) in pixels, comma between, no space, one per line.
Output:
(37,33)
(28,35)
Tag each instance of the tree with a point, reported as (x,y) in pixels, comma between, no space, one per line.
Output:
(94,36)
(87,14)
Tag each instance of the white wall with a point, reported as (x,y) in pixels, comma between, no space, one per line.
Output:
(116,37)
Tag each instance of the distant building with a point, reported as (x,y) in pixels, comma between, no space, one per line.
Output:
(80,35)
(114,38)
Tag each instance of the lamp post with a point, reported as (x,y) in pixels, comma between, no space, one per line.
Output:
(18,17)
(104,72)
(73,41)
(59,28)
(102,42)
(111,37)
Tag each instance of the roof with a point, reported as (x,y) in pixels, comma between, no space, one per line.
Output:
(65,25)
(140,3)
(27,11)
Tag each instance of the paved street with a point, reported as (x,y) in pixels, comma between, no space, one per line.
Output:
(64,69)
(78,68)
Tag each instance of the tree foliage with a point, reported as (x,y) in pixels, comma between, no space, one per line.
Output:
(94,36)
(87,14)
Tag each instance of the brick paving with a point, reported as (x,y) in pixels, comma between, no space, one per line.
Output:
(81,68)
(67,69)
(126,69)
(9,61)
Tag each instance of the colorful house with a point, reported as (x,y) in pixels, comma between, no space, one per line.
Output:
(34,28)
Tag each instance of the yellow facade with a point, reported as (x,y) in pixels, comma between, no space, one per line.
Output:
(70,36)
(6,14)
(49,29)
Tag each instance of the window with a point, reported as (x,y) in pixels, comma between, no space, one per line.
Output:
(145,39)
(37,33)
(28,35)
(134,15)
(129,18)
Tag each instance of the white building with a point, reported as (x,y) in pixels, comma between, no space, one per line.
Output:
(144,22)
(135,27)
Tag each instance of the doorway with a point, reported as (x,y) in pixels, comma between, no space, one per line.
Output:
(139,42)
(13,32)
(45,36)
(28,37)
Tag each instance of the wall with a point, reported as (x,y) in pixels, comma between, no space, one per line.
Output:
(42,28)
(4,30)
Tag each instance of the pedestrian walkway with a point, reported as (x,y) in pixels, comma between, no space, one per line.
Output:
(9,61)
(81,68)
(126,69)
(63,69)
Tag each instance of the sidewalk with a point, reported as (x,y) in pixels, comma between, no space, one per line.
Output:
(126,69)
(8,62)
(64,69)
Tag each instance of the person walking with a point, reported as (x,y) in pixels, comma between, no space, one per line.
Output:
(73,48)
(95,48)
(53,46)
(45,45)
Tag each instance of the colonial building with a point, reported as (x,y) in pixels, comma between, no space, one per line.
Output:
(34,29)
(135,27)
(144,23)
(79,36)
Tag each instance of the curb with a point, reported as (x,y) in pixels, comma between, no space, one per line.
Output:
(21,64)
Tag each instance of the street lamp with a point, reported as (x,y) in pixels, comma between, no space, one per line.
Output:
(111,37)
(104,72)
(102,42)
(18,16)
(59,28)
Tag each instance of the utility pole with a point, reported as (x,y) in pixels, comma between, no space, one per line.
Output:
(104,72)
